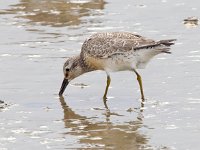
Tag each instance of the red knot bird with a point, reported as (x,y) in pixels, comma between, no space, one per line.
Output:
(113,51)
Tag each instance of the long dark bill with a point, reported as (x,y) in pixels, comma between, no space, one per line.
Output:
(63,87)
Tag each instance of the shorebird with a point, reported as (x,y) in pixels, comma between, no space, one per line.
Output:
(111,52)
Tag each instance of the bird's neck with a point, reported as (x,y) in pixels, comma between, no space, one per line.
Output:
(84,66)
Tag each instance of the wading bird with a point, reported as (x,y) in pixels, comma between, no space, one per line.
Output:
(111,52)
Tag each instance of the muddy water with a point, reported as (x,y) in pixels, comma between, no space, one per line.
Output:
(37,37)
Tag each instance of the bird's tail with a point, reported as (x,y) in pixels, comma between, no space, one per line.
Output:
(165,45)
(167,42)
(162,46)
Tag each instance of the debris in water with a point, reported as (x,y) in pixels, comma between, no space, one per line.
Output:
(82,85)
(191,22)
(3,105)
(129,110)
(47,108)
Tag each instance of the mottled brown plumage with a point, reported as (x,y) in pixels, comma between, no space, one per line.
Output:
(113,51)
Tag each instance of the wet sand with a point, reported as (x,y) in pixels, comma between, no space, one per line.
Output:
(37,37)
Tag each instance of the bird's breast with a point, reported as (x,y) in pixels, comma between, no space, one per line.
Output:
(94,63)
(111,64)
(119,62)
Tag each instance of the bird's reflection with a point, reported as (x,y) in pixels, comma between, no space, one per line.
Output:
(57,13)
(104,134)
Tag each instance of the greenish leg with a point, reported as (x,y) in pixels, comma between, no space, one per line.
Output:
(107,86)
(140,84)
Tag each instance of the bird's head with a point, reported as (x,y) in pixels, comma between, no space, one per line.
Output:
(71,69)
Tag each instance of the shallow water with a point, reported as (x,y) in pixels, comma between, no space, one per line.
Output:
(38,36)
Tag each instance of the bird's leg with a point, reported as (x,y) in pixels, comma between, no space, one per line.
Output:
(105,103)
(107,86)
(140,84)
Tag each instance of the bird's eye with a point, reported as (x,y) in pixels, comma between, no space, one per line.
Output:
(67,69)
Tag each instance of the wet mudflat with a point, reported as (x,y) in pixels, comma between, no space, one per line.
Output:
(38,36)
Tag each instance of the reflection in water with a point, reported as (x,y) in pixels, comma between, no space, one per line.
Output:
(103,134)
(57,13)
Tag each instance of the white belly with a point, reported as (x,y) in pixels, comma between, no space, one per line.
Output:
(130,61)
(121,62)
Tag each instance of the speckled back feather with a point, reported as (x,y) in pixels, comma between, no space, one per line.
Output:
(104,45)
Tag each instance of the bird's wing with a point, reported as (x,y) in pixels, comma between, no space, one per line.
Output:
(104,47)
(114,35)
